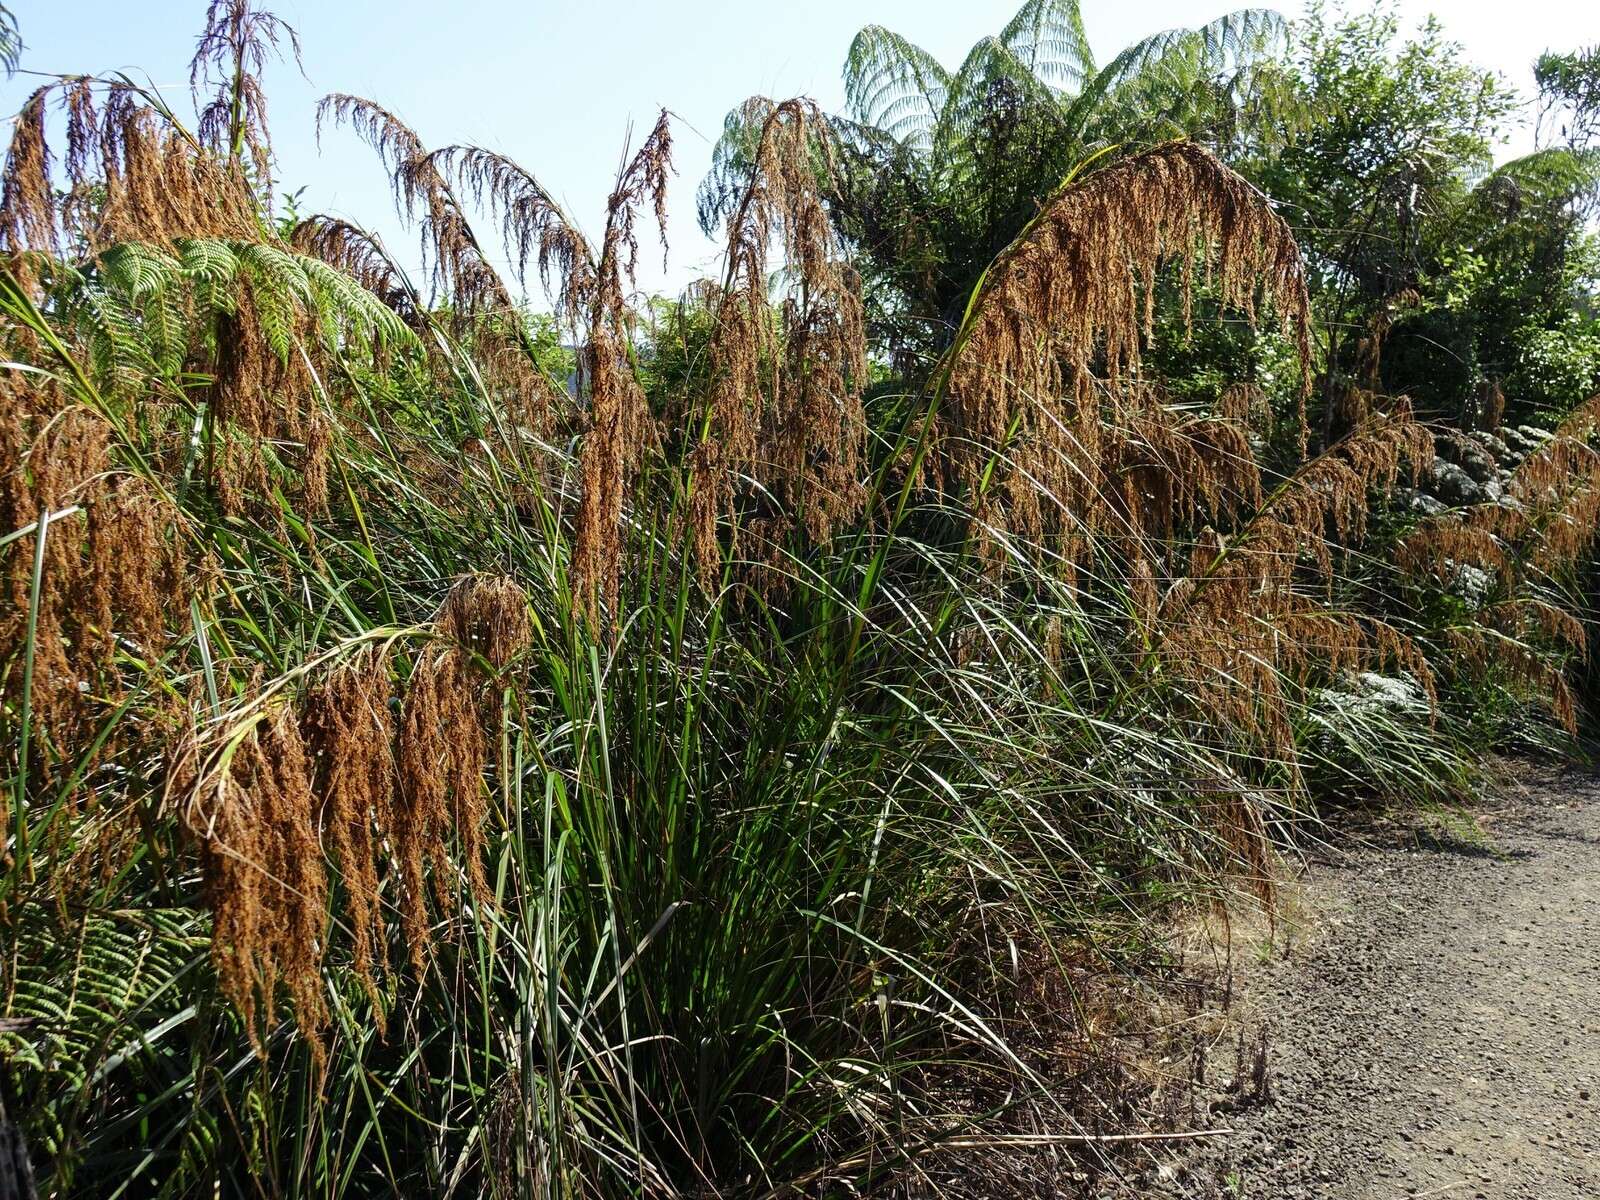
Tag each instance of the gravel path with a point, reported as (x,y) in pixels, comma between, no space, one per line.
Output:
(1438,1033)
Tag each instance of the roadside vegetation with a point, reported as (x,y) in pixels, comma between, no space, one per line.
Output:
(750,742)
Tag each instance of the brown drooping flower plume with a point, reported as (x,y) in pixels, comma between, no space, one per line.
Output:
(619,430)
(1240,632)
(538,234)
(27,192)
(1547,518)
(440,756)
(785,406)
(233,51)
(1164,470)
(487,616)
(133,174)
(160,186)
(461,271)
(350,732)
(112,565)
(1043,369)
(480,304)
(532,224)
(392,798)
(1369,346)
(442,745)
(254,813)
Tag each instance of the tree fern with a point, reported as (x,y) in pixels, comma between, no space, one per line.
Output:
(280,291)
(943,167)
(141,308)
(117,343)
(1168,84)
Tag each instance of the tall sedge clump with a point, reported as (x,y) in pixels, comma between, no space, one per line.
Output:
(1045,365)
(785,406)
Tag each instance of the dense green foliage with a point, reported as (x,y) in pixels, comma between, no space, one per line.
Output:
(1484,271)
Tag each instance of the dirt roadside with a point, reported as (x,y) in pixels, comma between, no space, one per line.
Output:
(1436,1031)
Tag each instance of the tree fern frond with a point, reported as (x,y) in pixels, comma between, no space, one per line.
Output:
(10,41)
(138,270)
(731,160)
(208,259)
(211,266)
(1243,35)
(280,290)
(353,309)
(734,155)
(95,998)
(1554,175)
(1148,92)
(167,323)
(990,77)
(1048,37)
(113,331)
(894,84)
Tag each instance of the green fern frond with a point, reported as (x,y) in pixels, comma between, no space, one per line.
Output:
(1163,86)
(1048,38)
(894,85)
(138,270)
(352,308)
(10,41)
(989,67)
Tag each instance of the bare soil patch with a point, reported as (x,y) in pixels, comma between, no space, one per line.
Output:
(1434,1027)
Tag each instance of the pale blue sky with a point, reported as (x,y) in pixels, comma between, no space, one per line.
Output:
(556,85)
